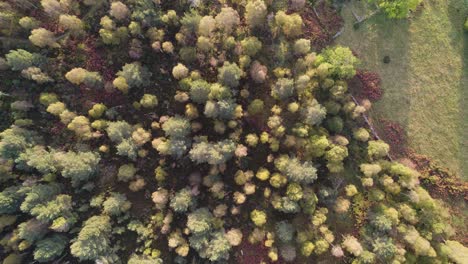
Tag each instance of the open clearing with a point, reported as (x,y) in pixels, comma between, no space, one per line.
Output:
(426,83)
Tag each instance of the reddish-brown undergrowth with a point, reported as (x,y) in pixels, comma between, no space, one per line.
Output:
(370,88)
(322,25)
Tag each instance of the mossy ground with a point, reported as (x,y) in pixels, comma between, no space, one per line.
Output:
(426,83)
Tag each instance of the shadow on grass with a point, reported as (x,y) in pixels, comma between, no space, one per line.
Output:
(457,15)
(374,39)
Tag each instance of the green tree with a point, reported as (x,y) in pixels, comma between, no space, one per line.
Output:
(50,248)
(135,75)
(340,60)
(93,241)
(77,166)
(397,8)
(21,59)
(212,153)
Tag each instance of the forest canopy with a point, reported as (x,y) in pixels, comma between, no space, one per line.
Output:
(141,131)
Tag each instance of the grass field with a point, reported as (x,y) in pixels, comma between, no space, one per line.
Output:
(426,83)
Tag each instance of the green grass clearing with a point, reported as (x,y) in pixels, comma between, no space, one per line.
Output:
(426,82)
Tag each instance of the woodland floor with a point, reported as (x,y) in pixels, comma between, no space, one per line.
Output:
(426,82)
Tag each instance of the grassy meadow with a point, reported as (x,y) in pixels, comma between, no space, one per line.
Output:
(426,83)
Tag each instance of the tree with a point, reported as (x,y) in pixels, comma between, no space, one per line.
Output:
(340,61)
(229,74)
(199,91)
(352,245)
(60,206)
(119,10)
(398,8)
(77,166)
(200,221)
(38,158)
(302,172)
(11,199)
(301,46)
(38,195)
(81,126)
(283,89)
(36,74)
(116,204)
(42,37)
(50,248)
(126,172)
(259,218)
(177,127)
(313,113)
(255,13)
(455,251)
(377,149)
(218,247)
(135,75)
(29,22)
(227,20)
(80,76)
(72,23)
(21,59)
(118,131)
(285,231)
(32,230)
(251,45)
(93,241)
(212,153)
(206,26)
(290,25)
(180,71)
(181,201)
